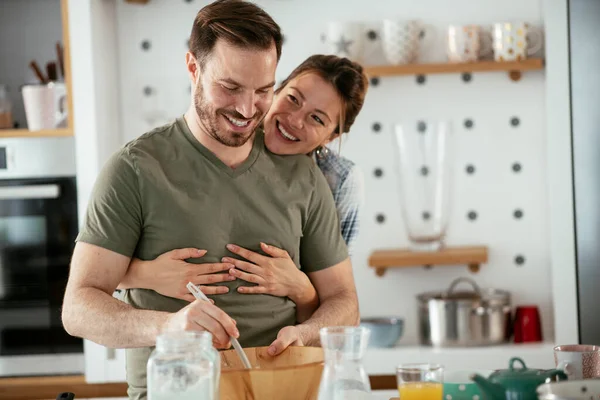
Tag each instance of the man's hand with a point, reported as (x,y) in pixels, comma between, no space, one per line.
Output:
(204,316)
(287,336)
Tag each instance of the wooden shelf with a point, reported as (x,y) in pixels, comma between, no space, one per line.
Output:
(64,8)
(28,133)
(472,256)
(513,68)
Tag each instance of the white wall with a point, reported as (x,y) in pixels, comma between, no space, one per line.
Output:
(492,146)
(104,98)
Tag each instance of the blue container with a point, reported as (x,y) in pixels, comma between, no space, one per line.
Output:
(385,331)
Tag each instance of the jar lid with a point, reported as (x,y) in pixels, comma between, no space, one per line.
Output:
(486,296)
(183,340)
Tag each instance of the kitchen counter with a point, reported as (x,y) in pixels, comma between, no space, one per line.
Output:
(49,387)
(384,361)
(379,363)
(377,395)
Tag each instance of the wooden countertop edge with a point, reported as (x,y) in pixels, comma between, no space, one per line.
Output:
(48,387)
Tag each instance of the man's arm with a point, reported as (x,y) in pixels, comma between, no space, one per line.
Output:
(90,311)
(307,303)
(339,302)
(110,233)
(339,306)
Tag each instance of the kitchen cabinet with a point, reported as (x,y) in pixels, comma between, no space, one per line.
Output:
(26,31)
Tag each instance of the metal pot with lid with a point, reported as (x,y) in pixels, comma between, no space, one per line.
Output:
(454,318)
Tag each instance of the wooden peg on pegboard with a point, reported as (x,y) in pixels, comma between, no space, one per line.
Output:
(515,75)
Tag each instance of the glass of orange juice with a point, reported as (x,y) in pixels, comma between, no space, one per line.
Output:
(420,381)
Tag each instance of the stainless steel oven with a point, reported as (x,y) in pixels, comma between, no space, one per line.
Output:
(38,226)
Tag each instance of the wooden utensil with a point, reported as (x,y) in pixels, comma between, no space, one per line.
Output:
(38,72)
(295,374)
(51,71)
(60,58)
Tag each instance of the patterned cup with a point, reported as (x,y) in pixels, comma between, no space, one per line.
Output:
(402,40)
(345,39)
(579,361)
(513,41)
(464,43)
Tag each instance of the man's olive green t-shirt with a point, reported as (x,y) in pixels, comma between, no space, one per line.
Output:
(165,190)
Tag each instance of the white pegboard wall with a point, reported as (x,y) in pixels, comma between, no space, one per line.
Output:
(498,124)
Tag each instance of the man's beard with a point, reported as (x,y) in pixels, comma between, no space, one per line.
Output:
(208,120)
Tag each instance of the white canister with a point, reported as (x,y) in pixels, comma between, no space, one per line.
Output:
(45,105)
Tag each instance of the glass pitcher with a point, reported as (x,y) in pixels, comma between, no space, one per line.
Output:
(424,158)
(184,366)
(344,377)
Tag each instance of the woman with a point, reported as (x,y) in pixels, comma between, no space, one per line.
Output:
(317,103)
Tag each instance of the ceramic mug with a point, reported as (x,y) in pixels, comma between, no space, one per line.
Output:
(579,361)
(345,39)
(403,39)
(512,41)
(45,105)
(527,325)
(464,43)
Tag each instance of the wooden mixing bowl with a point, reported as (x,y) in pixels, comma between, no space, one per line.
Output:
(295,374)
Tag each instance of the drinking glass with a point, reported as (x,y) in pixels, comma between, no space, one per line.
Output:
(420,381)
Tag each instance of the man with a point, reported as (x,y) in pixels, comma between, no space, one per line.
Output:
(206,180)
